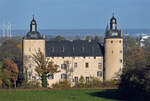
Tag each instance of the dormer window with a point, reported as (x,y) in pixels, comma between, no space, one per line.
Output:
(63,49)
(52,49)
(82,49)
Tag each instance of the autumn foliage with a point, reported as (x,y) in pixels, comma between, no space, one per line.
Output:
(9,73)
(44,67)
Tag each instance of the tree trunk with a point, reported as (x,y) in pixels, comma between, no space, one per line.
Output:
(44,81)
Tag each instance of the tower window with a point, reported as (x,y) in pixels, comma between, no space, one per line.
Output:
(112,51)
(29,57)
(121,60)
(99,74)
(86,65)
(111,41)
(120,41)
(29,49)
(120,51)
(30,66)
(75,65)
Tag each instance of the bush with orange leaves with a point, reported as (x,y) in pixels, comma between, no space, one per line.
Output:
(9,73)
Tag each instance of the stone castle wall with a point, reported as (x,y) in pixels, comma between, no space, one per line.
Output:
(30,47)
(78,70)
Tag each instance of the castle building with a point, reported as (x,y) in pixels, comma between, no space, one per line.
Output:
(75,58)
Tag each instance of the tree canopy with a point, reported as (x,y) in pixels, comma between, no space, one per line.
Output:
(44,67)
(135,79)
(9,73)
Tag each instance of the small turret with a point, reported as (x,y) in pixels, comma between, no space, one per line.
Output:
(33,34)
(43,36)
(113,32)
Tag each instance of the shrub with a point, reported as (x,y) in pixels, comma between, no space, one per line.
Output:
(135,83)
(1,82)
(62,84)
(81,83)
(112,83)
(92,83)
(31,84)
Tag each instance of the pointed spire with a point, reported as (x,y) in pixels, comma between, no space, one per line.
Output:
(113,13)
(33,16)
(107,28)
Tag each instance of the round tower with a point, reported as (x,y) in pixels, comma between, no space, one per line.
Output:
(113,57)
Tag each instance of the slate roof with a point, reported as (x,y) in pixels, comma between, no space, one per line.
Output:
(74,48)
(33,35)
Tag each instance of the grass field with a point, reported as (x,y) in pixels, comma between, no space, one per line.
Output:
(59,95)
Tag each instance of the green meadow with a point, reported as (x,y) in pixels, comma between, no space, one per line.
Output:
(59,95)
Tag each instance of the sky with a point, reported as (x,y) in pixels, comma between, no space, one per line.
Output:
(75,14)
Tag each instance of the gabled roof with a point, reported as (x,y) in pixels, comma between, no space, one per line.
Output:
(75,48)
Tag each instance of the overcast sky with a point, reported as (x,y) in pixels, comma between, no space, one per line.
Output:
(75,14)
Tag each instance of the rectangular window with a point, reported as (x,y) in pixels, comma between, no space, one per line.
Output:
(99,65)
(76,79)
(51,77)
(87,79)
(75,65)
(63,66)
(99,74)
(86,65)
(30,65)
(63,76)
(30,57)
(121,61)
(29,49)
(120,51)
(33,78)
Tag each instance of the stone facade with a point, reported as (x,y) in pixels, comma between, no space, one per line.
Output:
(77,67)
(113,57)
(30,47)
